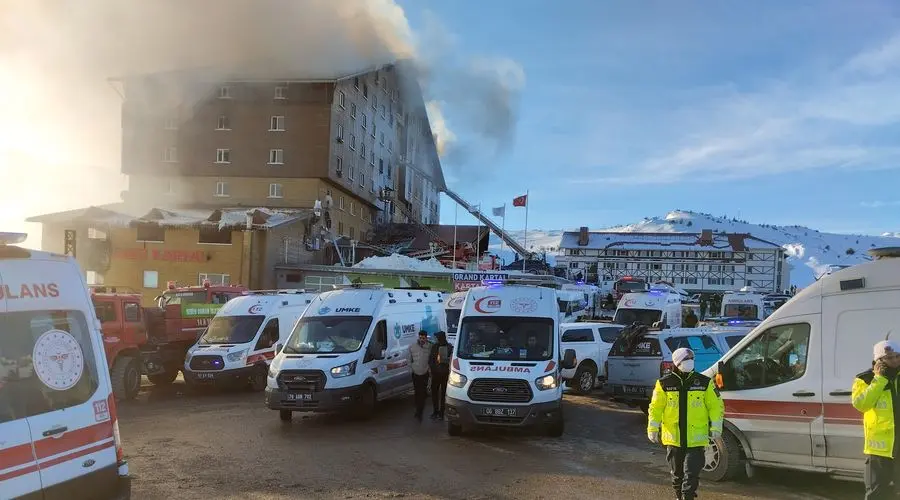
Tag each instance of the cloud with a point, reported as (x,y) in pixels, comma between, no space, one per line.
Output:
(843,116)
(879,204)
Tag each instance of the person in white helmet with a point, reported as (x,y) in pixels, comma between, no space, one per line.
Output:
(876,395)
(686,410)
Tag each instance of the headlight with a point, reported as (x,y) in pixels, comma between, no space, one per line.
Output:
(236,356)
(547,382)
(457,379)
(344,370)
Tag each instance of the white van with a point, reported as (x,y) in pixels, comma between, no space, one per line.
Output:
(660,304)
(452,309)
(59,435)
(350,349)
(506,365)
(239,343)
(787,385)
(745,304)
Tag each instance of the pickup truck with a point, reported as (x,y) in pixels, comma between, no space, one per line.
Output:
(591,343)
(634,366)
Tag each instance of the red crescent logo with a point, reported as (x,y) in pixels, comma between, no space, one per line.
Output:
(492,306)
(629,302)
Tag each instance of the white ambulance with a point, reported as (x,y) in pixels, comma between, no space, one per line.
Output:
(506,365)
(59,435)
(350,349)
(787,384)
(659,305)
(745,304)
(239,343)
(452,310)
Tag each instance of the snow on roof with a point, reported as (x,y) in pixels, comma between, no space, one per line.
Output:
(399,262)
(654,241)
(122,215)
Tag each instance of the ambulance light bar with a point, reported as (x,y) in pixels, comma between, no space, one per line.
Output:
(277,292)
(12,238)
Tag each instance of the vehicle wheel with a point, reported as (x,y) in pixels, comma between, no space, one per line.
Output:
(585,379)
(258,379)
(454,429)
(126,378)
(164,378)
(285,415)
(723,459)
(557,428)
(366,406)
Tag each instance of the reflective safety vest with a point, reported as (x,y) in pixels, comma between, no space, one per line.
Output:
(872,396)
(687,408)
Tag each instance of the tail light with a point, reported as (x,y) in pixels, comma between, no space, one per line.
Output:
(666,368)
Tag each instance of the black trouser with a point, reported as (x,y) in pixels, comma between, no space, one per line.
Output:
(439,389)
(420,386)
(686,464)
(880,471)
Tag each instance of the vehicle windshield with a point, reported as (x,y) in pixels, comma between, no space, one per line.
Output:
(741,310)
(630,286)
(178,298)
(232,329)
(453,320)
(643,316)
(506,338)
(328,334)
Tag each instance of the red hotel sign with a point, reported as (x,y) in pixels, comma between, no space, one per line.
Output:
(166,255)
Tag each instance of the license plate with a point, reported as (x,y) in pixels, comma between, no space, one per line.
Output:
(299,396)
(500,412)
(206,376)
(631,389)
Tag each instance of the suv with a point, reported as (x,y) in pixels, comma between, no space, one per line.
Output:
(591,342)
(58,425)
(636,362)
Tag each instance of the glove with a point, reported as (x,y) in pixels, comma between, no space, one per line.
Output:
(715,434)
(653,436)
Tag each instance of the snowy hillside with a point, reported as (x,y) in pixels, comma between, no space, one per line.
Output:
(810,251)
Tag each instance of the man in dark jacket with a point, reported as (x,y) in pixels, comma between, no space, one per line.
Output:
(441,351)
(691,320)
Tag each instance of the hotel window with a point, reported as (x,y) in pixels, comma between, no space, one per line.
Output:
(364,122)
(214,279)
(276,124)
(276,190)
(223,123)
(221,189)
(151,233)
(281,92)
(341,203)
(151,279)
(340,228)
(340,133)
(374,102)
(225,92)
(342,99)
(350,172)
(352,110)
(352,142)
(352,233)
(352,208)
(171,124)
(170,155)
(362,149)
(223,156)
(276,156)
(214,236)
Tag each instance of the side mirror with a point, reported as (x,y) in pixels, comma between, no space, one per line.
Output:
(278,348)
(569,360)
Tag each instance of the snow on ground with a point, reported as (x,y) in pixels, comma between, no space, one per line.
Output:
(401,263)
(810,252)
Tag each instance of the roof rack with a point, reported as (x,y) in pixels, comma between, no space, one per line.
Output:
(296,291)
(112,289)
(359,285)
(12,238)
(522,281)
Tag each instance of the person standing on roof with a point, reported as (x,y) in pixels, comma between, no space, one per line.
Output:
(687,410)
(875,395)
(440,372)
(419,358)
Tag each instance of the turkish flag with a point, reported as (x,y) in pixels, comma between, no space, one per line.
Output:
(520,201)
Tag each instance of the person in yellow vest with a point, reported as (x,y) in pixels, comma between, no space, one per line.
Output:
(875,394)
(686,410)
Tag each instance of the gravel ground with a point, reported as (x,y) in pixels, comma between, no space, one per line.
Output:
(228,445)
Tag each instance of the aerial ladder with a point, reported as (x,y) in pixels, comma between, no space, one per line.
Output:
(509,240)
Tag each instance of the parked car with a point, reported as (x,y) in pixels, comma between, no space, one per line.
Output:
(635,362)
(591,342)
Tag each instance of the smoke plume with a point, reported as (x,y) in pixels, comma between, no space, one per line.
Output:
(61,135)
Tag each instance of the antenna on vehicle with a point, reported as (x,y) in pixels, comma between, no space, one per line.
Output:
(888,336)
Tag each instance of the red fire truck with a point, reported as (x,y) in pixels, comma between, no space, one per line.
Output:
(628,284)
(154,340)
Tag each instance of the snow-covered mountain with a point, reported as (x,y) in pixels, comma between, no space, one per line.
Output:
(810,252)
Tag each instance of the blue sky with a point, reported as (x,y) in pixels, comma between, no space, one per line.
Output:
(780,112)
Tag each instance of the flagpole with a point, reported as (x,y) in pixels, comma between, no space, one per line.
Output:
(503,230)
(455,239)
(526,230)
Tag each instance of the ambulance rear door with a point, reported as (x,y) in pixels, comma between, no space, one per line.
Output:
(66,394)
